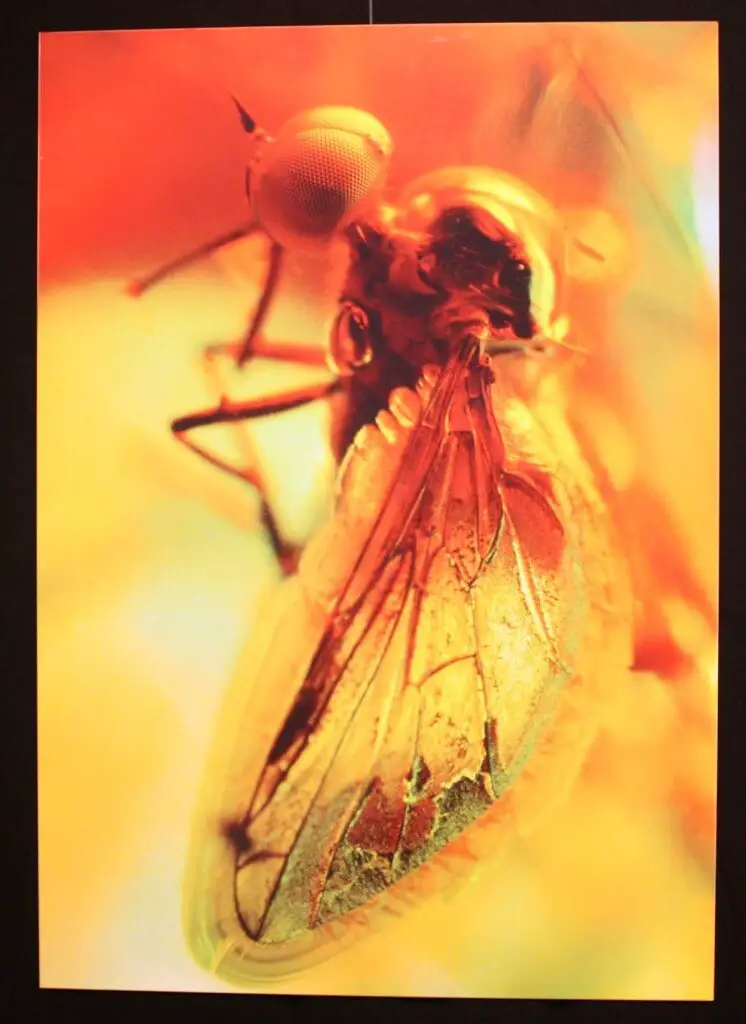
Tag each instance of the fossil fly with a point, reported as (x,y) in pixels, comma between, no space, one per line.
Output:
(469,581)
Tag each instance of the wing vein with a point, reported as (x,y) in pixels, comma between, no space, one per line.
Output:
(528,587)
(338,747)
(407,809)
(327,645)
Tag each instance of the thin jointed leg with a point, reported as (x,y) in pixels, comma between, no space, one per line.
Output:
(143,284)
(226,412)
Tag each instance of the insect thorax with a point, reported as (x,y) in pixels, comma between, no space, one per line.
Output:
(400,277)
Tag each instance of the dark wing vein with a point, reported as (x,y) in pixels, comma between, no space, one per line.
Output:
(310,787)
(421,696)
(374,662)
(320,684)
(385,542)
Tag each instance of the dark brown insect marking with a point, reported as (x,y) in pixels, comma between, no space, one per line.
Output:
(296,724)
(244,848)
(470,251)
(421,809)
(378,826)
(235,832)
(396,819)
(419,823)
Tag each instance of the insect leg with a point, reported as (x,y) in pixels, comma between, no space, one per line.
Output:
(274,272)
(283,351)
(235,412)
(143,284)
(239,353)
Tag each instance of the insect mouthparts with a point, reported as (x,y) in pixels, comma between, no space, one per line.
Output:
(457,321)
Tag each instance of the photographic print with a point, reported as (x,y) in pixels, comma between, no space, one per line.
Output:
(377,510)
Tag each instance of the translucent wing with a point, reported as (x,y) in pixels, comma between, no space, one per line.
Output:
(591,119)
(610,130)
(446,649)
(467,608)
(621,136)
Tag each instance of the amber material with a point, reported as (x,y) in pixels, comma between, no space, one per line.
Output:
(592,873)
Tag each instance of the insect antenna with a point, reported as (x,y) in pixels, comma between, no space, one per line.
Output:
(136,288)
(247,121)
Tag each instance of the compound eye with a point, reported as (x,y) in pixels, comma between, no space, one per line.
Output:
(351,345)
(323,167)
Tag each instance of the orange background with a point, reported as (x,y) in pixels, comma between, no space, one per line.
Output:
(151,567)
